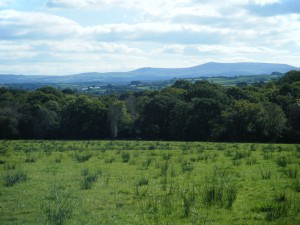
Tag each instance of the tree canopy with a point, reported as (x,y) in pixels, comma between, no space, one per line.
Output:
(200,111)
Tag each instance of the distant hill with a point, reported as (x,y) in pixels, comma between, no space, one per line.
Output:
(219,69)
(211,69)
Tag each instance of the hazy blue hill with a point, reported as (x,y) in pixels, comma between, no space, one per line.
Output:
(219,69)
(26,78)
(150,74)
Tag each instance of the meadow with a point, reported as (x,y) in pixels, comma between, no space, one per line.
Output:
(154,182)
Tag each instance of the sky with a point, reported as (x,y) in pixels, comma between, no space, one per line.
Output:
(60,37)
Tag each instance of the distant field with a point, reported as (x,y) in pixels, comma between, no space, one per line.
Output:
(232,81)
(98,88)
(136,182)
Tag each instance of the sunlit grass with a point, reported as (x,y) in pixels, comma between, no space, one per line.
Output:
(136,182)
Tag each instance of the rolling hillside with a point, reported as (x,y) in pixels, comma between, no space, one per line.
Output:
(150,74)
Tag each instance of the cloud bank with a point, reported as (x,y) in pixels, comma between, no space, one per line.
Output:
(73,36)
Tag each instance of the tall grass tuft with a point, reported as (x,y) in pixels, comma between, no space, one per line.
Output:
(251,161)
(9,166)
(125,157)
(164,168)
(142,181)
(219,190)
(230,192)
(186,166)
(13,177)
(188,199)
(146,163)
(282,161)
(276,211)
(58,206)
(212,193)
(82,157)
(109,160)
(291,172)
(296,185)
(88,179)
(30,159)
(276,208)
(265,174)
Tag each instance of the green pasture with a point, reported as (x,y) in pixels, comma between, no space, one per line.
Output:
(137,182)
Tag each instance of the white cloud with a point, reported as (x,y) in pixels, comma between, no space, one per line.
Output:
(74,56)
(160,34)
(245,2)
(67,47)
(3,3)
(216,49)
(140,28)
(33,25)
(90,47)
(146,9)
(100,4)
(277,30)
(263,2)
(162,9)
(92,4)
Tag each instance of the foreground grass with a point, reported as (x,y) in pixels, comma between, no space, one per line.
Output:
(135,182)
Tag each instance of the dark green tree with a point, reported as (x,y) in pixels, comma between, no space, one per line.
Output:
(243,121)
(119,119)
(84,117)
(274,122)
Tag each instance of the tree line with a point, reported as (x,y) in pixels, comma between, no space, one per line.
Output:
(200,111)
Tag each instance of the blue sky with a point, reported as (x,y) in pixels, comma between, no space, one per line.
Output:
(72,36)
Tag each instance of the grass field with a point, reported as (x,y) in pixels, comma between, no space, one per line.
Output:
(136,182)
(233,81)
